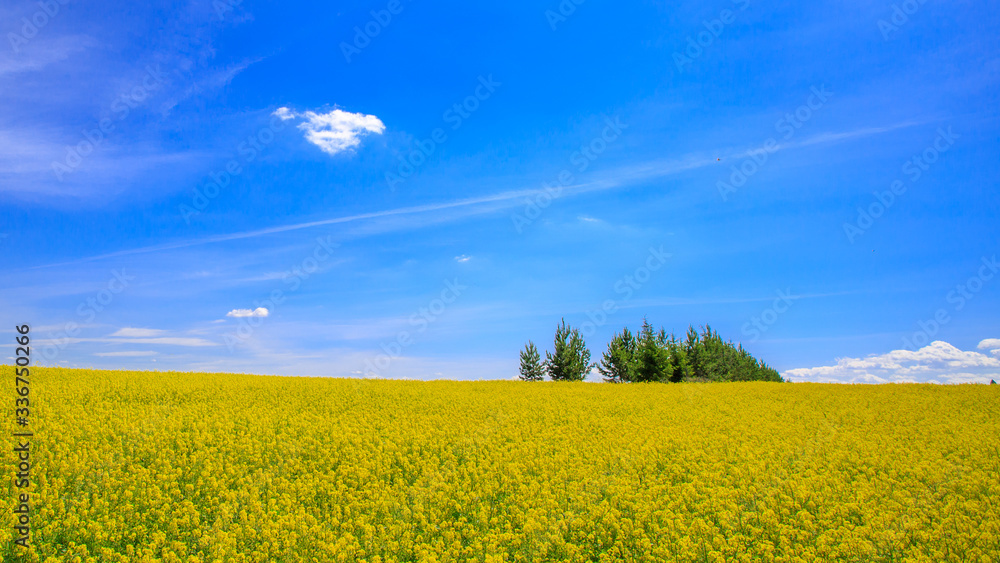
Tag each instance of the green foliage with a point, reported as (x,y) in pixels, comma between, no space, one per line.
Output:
(571,359)
(531,363)
(682,369)
(652,357)
(647,357)
(657,356)
(618,363)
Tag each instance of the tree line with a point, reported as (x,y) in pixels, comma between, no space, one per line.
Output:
(648,355)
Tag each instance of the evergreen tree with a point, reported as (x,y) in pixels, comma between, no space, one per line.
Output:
(531,363)
(693,351)
(649,356)
(679,362)
(571,359)
(618,363)
(652,356)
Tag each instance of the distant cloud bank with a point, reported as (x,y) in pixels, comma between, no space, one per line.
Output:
(938,362)
(336,131)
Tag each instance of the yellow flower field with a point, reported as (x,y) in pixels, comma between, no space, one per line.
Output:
(180,467)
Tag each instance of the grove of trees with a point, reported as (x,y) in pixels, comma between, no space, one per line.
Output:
(646,356)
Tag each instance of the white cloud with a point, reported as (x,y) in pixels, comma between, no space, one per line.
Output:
(168,341)
(336,131)
(463,258)
(128,332)
(240,313)
(990,344)
(125,354)
(938,362)
(284,114)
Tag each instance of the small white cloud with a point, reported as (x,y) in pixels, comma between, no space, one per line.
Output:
(938,362)
(463,258)
(336,131)
(129,332)
(284,114)
(125,354)
(587,219)
(990,344)
(241,313)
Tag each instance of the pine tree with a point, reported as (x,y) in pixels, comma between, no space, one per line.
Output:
(652,356)
(618,363)
(678,360)
(693,350)
(571,359)
(531,363)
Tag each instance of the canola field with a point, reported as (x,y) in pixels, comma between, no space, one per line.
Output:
(182,467)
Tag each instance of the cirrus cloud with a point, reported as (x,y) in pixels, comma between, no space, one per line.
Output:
(336,131)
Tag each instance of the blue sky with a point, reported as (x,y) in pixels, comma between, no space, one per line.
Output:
(416,189)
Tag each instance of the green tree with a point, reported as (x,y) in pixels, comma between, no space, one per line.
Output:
(531,363)
(652,356)
(571,359)
(680,365)
(618,363)
(693,350)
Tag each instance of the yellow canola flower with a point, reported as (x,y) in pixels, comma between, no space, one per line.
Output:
(164,467)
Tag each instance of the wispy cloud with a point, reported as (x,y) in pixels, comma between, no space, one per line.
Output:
(615,179)
(166,341)
(136,354)
(138,332)
(214,79)
(833,137)
(37,55)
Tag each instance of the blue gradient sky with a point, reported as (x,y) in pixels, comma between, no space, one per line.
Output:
(819,104)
